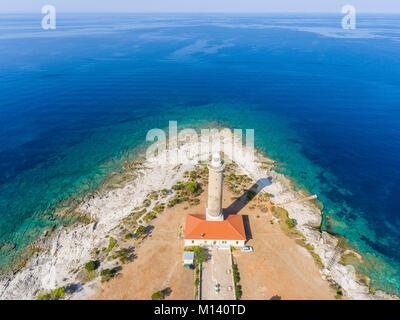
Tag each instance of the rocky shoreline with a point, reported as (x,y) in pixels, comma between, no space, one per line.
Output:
(64,252)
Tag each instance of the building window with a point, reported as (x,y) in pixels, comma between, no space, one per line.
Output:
(237,242)
(192,241)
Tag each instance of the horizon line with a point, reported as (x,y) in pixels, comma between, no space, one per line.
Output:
(202,12)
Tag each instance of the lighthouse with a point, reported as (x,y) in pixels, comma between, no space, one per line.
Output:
(215,186)
(212,228)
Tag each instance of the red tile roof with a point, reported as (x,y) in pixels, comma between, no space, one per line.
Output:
(197,227)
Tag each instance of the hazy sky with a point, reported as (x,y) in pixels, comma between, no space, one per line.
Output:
(333,6)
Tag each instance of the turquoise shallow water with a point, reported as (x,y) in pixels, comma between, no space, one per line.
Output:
(323,102)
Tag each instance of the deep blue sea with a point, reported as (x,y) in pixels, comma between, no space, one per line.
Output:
(323,101)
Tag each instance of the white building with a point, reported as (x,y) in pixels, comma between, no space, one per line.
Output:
(188,258)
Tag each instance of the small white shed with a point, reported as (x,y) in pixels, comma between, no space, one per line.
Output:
(188,258)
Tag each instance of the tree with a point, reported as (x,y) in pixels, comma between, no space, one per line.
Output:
(200,255)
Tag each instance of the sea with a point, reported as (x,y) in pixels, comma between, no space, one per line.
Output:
(324,102)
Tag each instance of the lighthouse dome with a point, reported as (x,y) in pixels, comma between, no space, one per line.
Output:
(216,160)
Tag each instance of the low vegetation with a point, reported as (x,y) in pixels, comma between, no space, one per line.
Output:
(236,281)
(315,256)
(159,295)
(236,183)
(157,209)
(91,265)
(150,216)
(89,276)
(154,195)
(196,281)
(140,232)
(349,258)
(107,274)
(338,289)
(85,219)
(111,244)
(187,191)
(55,294)
(128,236)
(265,196)
(192,187)
(288,226)
(124,255)
(283,215)
(130,220)
(89,272)
(175,200)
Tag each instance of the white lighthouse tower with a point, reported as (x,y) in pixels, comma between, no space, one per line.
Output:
(215,186)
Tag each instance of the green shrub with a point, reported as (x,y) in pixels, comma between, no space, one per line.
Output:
(159,295)
(146,203)
(291,223)
(153,195)
(43,296)
(111,244)
(174,201)
(107,274)
(194,202)
(123,255)
(178,186)
(89,276)
(193,175)
(236,281)
(91,265)
(55,294)
(193,187)
(339,291)
(236,275)
(128,236)
(150,216)
(159,208)
(281,213)
(238,292)
(140,231)
(315,256)
(196,281)
(284,216)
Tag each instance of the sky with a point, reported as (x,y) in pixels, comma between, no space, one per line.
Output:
(234,6)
